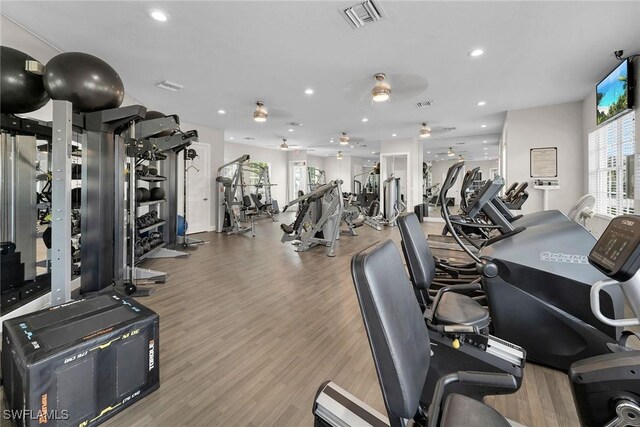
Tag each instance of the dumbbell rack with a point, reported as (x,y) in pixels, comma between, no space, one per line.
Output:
(136,274)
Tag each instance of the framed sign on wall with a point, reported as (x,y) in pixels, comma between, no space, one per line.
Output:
(543,162)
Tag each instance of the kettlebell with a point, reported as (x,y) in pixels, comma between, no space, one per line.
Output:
(145,244)
(142,170)
(139,249)
(152,170)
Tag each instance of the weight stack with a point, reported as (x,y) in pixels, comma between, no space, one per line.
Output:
(80,363)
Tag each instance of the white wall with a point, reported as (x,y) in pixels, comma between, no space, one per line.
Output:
(315,161)
(277,159)
(552,126)
(339,169)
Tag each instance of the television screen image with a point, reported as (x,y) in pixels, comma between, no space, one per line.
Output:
(612,93)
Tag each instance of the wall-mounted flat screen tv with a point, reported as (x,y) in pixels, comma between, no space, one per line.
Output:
(614,94)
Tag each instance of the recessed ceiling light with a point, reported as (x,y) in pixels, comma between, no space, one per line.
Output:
(290,130)
(486,148)
(222,112)
(483,126)
(331,140)
(159,16)
(393,134)
(484,142)
(309,91)
(373,152)
(231,137)
(481,103)
(476,52)
(428,152)
(351,146)
(436,155)
(364,119)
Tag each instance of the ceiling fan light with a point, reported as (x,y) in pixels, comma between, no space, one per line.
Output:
(284,145)
(260,115)
(339,155)
(381,92)
(344,139)
(425,131)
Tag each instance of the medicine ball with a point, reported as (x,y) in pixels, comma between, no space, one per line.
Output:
(22,91)
(157,115)
(157,193)
(76,198)
(88,82)
(142,194)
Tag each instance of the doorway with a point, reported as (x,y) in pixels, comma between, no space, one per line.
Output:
(298,178)
(198,189)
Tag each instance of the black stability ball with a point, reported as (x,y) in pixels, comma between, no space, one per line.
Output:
(88,82)
(157,115)
(21,91)
(157,193)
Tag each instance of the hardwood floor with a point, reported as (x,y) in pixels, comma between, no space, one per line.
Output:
(250,329)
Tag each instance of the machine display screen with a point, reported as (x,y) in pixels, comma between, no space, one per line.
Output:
(616,246)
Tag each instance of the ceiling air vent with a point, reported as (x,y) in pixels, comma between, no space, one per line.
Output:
(445,130)
(363,13)
(248,138)
(167,85)
(425,104)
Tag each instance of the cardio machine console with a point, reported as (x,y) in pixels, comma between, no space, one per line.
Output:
(617,252)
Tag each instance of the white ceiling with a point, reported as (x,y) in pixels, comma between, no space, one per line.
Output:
(229,54)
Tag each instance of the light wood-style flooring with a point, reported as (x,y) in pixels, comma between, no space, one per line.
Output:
(249,329)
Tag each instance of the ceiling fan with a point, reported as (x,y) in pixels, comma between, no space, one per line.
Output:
(402,87)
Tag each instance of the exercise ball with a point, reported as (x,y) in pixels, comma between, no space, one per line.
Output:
(183,225)
(157,193)
(88,82)
(22,91)
(157,115)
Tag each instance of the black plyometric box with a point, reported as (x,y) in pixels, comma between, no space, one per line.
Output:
(80,363)
(12,278)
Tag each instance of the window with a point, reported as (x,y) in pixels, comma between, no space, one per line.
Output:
(611,166)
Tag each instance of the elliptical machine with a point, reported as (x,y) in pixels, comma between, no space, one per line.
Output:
(541,276)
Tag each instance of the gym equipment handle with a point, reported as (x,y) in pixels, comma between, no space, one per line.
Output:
(595,305)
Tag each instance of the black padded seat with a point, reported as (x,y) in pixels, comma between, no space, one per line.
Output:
(458,309)
(462,411)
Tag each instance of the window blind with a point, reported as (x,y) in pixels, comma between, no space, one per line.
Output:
(612,166)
